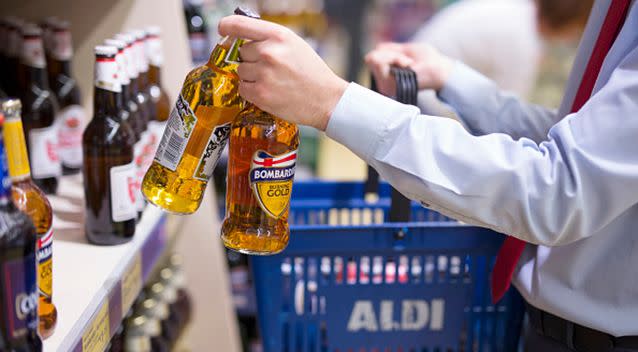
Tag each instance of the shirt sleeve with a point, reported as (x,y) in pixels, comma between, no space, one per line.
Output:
(484,108)
(552,193)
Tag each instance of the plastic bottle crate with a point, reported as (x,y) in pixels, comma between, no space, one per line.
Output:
(349,282)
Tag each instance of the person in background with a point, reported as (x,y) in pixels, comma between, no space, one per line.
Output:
(562,184)
(525,46)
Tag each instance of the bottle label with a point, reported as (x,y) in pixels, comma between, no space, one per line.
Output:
(139,158)
(106,74)
(70,123)
(21,296)
(33,52)
(212,152)
(123,192)
(176,135)
(45,264)
(153,46)
(62,48)
(43,150)
(16,148)
(271,180)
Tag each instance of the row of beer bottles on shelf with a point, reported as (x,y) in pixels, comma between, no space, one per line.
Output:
(159,316)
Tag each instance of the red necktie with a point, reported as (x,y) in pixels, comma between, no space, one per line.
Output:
(512,248)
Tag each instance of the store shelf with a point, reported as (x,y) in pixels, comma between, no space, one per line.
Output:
(94,286)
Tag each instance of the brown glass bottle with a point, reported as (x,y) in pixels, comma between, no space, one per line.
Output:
(158,310)
(11,65)
(18,284)
(71,118)
(142,334)
(32,201)
(158,95)
(261,168)
(39,112)
(184,300)
(109,172)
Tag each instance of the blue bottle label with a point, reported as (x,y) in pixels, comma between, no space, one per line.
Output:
(5,187)
(21,296)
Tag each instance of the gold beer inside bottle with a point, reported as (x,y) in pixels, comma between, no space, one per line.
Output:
(247,228)
(212,93)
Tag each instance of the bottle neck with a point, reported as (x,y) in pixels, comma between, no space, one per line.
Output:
(107,99)
(35,76)
(154,75)
(16,149)
(225,56)
(6,202)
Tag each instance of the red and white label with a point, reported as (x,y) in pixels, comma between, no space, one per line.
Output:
(123,192)
(106,75)
(70,123)
(43,152)
(62,48)
(33,52)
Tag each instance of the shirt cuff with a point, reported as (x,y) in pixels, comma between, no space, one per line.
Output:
(360,119)
(463,88)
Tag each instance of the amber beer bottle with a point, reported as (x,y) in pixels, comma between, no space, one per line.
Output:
(71,118)
(158,95)
(39,112)
(109,171)
(197,131)
(18,284)
(261,167)
(32,201)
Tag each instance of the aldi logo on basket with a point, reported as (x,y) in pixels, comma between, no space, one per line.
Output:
(415,315)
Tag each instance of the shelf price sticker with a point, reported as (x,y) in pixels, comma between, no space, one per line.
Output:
(131,283)
(98,334)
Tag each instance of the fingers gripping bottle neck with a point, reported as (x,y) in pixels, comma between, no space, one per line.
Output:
(197,131)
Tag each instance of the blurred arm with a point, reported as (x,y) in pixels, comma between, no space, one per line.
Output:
(484,108)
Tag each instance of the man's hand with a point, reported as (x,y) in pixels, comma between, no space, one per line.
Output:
(431,67)
(283,75)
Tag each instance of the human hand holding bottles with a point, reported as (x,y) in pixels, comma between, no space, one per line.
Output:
(281,74)
(431,67)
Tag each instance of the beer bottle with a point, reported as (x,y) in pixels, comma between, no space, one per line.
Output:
(18,285)
(12,56)
(4,33)
(184,301)
(167,295)
(158,310)
(39,111)
(143,335)
(109,171)
(261,167)
(138,156)
(198,37)
(32,201)
(197,131)
(72,117)
(158,95)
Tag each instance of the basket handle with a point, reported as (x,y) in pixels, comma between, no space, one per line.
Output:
(407,90)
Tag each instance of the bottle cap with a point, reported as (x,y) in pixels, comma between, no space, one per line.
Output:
(119,44)
(138,34)
(60,25)
(136,339)
(153,31)
(105,50)
(128,38)
(163,293)
(245,11)
(31,30)
(143,325)
(11,107)
(155,309)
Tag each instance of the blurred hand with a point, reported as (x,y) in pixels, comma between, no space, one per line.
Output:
(283,75)
(432,68)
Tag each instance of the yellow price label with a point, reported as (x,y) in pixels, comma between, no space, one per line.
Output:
(131,283)
(97,336)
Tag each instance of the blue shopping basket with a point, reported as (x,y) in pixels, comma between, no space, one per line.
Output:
(351,282)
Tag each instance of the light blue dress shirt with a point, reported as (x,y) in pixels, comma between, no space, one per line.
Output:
(567,183)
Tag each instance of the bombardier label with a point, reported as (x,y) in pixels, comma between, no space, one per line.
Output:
(271,180)
(45,263)
(20,304)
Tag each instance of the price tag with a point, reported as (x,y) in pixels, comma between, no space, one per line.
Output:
(98,334)
(131,283)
